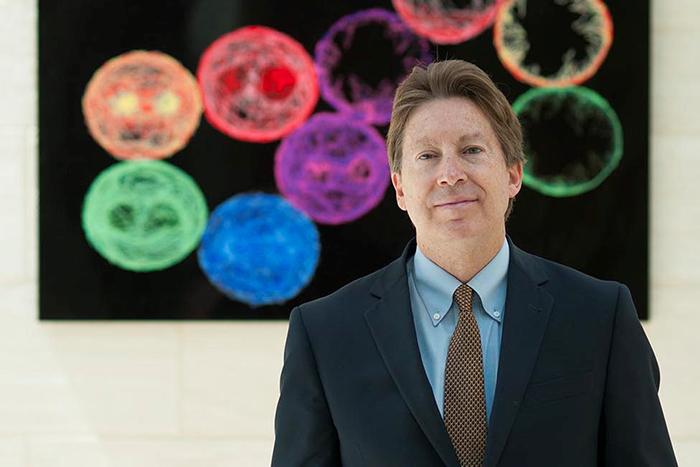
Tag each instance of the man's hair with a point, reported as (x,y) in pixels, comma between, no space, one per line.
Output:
(455,78)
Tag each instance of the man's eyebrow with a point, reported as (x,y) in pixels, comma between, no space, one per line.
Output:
(425,141)
(471,136)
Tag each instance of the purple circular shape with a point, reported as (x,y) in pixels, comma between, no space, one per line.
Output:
(332,168)
(348,92)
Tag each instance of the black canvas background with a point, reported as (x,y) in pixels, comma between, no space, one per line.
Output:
(603,233)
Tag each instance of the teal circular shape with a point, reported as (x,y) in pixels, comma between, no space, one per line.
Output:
(144,215)
(591,103)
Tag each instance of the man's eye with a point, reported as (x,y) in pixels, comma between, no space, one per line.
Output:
(472,150)
(425,156)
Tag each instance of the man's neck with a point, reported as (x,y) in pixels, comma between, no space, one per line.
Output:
(462,258)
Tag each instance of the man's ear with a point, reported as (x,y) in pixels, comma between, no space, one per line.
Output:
(398,187)
(515,178)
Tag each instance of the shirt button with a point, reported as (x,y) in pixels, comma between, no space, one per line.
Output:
(496,314)
(436,316)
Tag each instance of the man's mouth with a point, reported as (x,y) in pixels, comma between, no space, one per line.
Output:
(455,203)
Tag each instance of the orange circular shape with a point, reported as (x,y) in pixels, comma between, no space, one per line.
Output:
(142,105)
(517,40)
(258,84)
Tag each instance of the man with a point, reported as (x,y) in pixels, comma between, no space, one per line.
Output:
(467,350)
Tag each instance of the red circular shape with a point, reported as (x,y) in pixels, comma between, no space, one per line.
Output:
(258,84)
(443,24)
(142,105)
(278,82)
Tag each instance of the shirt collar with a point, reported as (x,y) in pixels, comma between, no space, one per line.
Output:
(436,286)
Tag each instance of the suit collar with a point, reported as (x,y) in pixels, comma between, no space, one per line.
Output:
(396,270)
(527,311)
(393,272)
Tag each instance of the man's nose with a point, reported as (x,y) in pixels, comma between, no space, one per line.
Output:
(451,170)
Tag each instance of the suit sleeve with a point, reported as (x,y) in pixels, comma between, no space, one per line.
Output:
(304,431)
(633,429)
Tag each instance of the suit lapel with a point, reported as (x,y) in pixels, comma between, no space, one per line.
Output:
(392,327)
(527,312)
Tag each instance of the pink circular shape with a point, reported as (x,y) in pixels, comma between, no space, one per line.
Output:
(258,84)
(443,23)
(333,168)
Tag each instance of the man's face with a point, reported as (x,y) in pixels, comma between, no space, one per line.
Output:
(454,182)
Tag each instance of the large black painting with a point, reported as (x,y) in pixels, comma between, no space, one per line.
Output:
(202,212)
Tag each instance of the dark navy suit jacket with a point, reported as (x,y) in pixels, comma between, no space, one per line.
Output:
(577,379)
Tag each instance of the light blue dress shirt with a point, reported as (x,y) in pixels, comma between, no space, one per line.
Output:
(435,316)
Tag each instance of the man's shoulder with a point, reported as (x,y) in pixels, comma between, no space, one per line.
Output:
(352,298)
(569,280)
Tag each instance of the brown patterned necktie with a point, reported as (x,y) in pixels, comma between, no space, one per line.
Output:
(465,402)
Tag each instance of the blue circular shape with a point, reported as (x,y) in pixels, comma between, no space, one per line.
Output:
(258,249)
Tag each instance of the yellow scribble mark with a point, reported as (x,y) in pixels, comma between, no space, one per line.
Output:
(125,103)
(167,103)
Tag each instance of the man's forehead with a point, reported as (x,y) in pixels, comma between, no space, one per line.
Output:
(463,137)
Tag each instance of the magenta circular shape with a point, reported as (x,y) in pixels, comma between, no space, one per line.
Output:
(444,23)
(332,168)
(352,93)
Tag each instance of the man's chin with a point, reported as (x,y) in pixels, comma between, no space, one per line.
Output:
(457,228)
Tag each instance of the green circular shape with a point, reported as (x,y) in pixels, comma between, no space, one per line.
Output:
(589,105)
(144,215)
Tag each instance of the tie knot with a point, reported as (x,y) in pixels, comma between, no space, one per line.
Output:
(463,298)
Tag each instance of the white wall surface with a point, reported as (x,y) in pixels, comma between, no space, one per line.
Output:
(203,394)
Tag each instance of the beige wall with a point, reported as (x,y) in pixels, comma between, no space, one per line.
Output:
(203,394)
